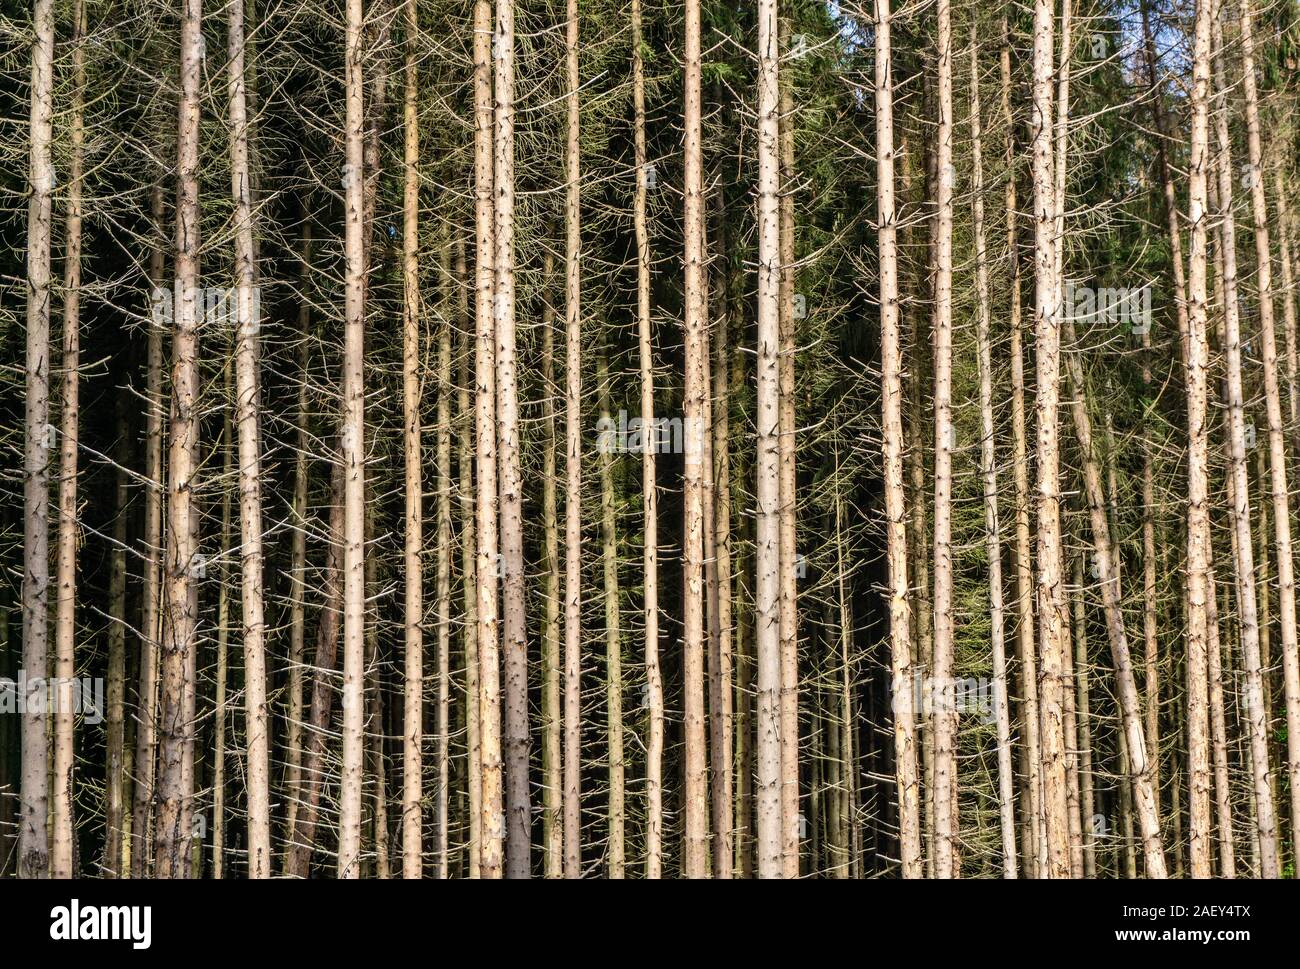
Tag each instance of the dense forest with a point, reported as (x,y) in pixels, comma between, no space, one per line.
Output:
(613,438)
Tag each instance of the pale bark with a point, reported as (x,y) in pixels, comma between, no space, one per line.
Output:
(488,702)
(1247,603)
(946,864)
(649,489)
(1198,525)
(1025,640)
(413,481)
(572,459)
(1273,405)
(33,837)
(989,474)
(552,715)
(442,592)
(891,357)
(767,548)
(514,629)
(616,817)
(151,586)
(63,843)
(352,453)
(468,564)
(790,810)
(695,795)
(257,769)
(179,604)
(1051,596)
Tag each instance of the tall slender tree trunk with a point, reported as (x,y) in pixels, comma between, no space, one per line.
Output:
(1247,604)
(442,715)
(352,452)
(489,567)
(180,618)
(945,710)
(33,838)
(257,769)
(767,419)
(469,564)
(1025,640)
(552,714)
(1219,739)
(1108,578)
(988,471)
(891,357)
(1273,405)
(649,489)
(514,629)
(298,548)
(790,812)
(116,768)
(63,846)
(617,843)
(146,731)
(1051,595)
(413,534)
(572,458)
(297,858)
(1198,524)
(695,795)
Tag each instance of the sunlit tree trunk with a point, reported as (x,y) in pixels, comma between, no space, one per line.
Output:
(767,595)
(572,459)
(1273,405)
(489,566)
(946,864)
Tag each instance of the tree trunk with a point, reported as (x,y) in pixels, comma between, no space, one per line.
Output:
(649,490)
(33,838)
(63,846)
(1247,604)
(572,459)
(413,533)
(1198,523)
(352,454)
(1273,404)
(180,614)
(767,419)
(946,864)
(988,471)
